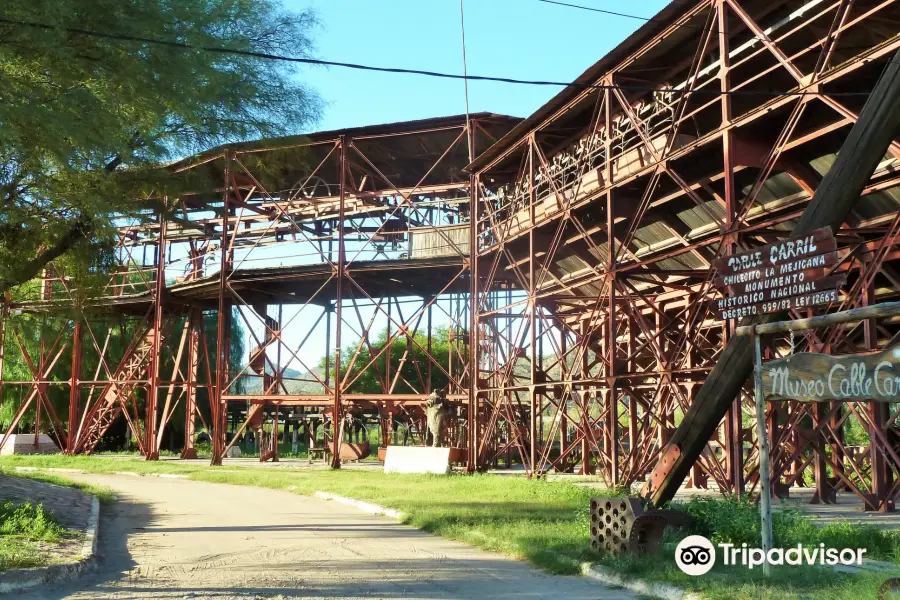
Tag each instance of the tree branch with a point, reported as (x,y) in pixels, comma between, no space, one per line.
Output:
(28,270)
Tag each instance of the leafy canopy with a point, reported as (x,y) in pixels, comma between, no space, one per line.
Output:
(86,122)
(410,359)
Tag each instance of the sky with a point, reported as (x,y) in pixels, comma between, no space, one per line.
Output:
(525,39)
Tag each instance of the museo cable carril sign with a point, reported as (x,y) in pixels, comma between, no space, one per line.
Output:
(810,377)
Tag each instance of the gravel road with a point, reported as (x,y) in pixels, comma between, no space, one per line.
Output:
(169,538)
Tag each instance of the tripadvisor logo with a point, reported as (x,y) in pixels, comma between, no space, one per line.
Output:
(696,555)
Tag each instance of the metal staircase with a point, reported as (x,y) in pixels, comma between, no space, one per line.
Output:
(112,400)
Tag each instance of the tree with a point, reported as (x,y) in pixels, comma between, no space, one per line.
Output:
(86,121)
(412,363)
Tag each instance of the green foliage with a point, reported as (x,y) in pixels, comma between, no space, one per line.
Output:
(86,122)
(881,543)
(735,521)
(19,554)
(29,521)
(25,531)
(410,358)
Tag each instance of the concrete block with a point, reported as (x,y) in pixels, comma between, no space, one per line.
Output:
(417,459)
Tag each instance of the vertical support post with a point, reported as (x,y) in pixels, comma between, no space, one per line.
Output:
(532,310)
(328,310)
(734,445)
(609,333)
(336,415)
(472,409)
(765,484)
(430,301)
(879,415)
(219,411)
(612,404)
(151,445)
(41,389)
(193,368)
(585,399)
(74,387)
(389,351)
(452,341)
(565,375)
(279,384)
(820,466)
(275,433)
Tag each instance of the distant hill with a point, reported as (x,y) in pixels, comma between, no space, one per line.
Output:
(253,385)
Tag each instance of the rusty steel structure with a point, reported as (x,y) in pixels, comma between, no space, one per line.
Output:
(570,263)
(597,219)
(318,237)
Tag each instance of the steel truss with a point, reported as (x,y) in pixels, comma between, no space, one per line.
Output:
(323,240)
(596,225)
(573,266)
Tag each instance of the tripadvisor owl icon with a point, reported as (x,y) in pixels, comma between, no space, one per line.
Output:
(695,555)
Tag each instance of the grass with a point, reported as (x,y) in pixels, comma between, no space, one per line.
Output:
(104,494)
(739,583)
(547,523)
(26,531)
(734,521)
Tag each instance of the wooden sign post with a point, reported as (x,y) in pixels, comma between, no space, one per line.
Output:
(810,377)
(765,479)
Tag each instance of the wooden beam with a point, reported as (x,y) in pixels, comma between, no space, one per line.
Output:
(865,147)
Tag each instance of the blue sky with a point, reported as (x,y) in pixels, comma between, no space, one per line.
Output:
(524,39)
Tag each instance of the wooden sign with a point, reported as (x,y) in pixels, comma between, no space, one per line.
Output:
(809,377)
(739,312)
(773,255)
(780,288)
(778,277)
(811,267)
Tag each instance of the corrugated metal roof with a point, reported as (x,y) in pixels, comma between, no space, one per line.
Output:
(367,130)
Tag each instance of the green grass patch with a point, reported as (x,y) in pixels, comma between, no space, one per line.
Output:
(26,531)
(104,494)
(730,520)
(20,554)
(740,583)
(29,521)
(734,521)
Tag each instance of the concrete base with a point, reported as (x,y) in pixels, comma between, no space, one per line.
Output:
(23,443)
(417,459)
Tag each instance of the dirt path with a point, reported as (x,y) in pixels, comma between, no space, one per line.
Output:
(170,538)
